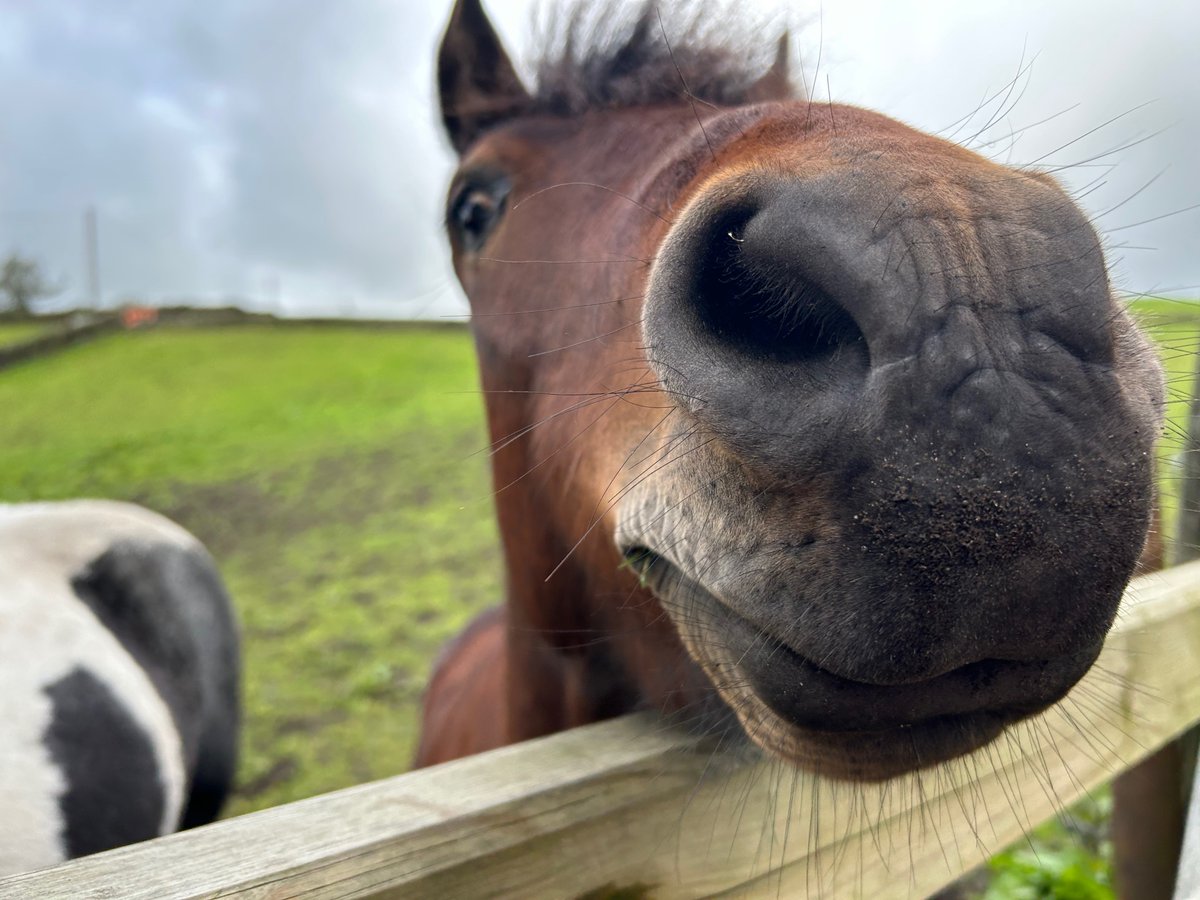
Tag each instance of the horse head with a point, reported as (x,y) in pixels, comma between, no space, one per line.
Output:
(802,418)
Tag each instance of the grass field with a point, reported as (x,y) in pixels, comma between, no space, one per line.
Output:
(1175,325)
(337,475)
(17,332)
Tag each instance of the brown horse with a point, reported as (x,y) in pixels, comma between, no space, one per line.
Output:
(807,425)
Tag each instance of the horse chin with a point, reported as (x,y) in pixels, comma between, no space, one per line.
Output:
(842,749)
(865,756)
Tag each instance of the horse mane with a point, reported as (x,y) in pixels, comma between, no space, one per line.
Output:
(604,58)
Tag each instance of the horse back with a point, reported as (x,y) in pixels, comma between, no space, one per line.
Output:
(120,660)
(464,710)
(167,606)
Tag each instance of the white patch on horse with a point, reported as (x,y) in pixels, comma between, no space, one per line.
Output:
(47,632)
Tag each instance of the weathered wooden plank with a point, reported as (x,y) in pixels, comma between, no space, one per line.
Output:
(630,803)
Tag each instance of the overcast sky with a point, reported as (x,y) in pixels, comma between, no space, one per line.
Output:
(286,151)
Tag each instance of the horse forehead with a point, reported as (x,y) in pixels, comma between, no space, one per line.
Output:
(616,144)
(808,140)
(666,155)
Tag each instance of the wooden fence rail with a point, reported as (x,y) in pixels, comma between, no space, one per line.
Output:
(631,808)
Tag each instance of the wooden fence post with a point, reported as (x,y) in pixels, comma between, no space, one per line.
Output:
(1150,800)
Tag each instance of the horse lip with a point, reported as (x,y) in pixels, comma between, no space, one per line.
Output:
(940,733)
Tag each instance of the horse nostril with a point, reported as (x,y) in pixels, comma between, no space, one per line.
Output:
(734,278)
(747,299)
(745,332)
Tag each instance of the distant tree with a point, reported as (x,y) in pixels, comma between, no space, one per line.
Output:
(22,283)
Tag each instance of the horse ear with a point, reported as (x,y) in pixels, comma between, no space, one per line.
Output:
(776,84)
(477,83)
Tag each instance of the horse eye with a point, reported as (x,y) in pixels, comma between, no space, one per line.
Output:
(475,213)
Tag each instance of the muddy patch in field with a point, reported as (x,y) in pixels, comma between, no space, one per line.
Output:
(280,772)
(287,502)
(310,724)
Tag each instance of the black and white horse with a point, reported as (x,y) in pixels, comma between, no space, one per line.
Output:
(119,681)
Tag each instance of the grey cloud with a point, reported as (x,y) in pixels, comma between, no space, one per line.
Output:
(256,147)
(1088,63)
(246,144)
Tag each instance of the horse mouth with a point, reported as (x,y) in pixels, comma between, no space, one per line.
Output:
(815,719)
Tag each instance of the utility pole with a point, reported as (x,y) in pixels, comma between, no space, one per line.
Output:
(91,251)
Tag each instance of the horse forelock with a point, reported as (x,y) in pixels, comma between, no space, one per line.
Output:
(603,57)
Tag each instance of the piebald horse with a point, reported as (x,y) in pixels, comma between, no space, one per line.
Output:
(120,666)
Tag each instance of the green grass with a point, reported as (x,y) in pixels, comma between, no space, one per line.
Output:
(1069,858)
(19,332)
(335,473)
(1175,325)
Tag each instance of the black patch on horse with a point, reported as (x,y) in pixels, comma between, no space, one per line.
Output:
(114,792)
(168,608)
